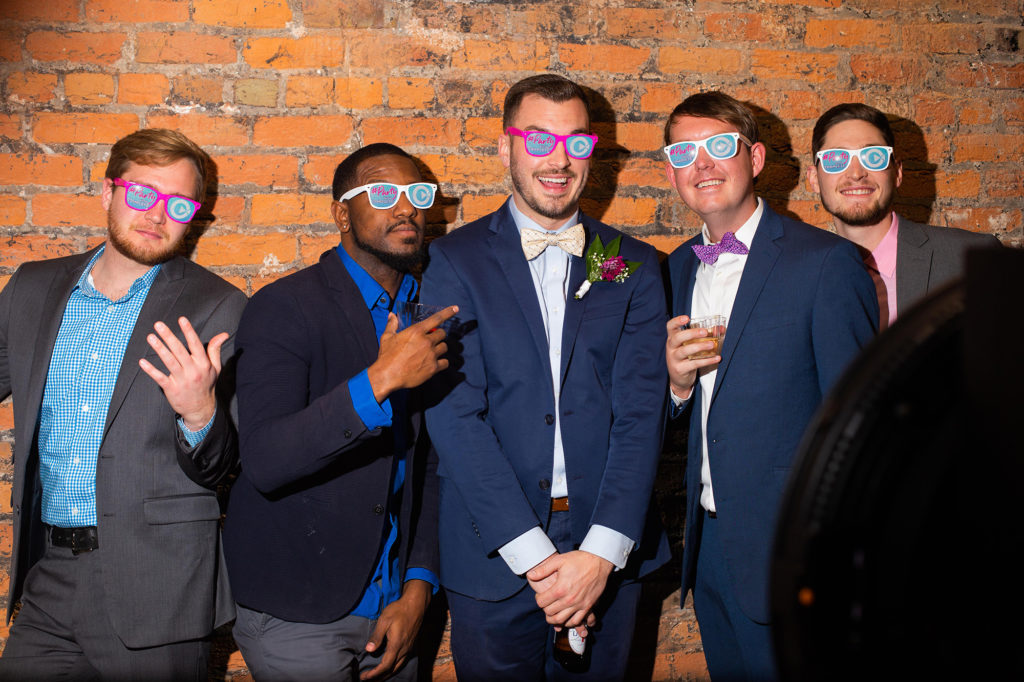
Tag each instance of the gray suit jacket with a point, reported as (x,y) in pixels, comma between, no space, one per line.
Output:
(928,256)
(157,513)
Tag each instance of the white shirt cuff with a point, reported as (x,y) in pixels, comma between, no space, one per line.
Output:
(608,544)
(527,550)
(676,400)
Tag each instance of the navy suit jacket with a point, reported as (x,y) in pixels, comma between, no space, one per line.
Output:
(307,515)
(494,428)
(804,308)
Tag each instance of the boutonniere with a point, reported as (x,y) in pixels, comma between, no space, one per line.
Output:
(604,264)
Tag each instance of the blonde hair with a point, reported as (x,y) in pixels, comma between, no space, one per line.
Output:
(158,147)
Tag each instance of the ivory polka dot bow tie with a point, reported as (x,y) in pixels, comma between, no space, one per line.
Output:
(709,253)
(570,241)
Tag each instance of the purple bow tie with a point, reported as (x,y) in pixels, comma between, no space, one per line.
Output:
(709,253)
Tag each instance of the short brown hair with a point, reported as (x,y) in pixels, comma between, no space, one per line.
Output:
(158,147)
(850,111)
(719,106)
(550,86)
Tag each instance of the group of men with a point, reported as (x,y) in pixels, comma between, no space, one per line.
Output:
(530,499)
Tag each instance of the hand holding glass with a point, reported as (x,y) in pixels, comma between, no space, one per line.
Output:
(715,324)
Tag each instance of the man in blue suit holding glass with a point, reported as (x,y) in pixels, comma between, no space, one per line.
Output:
(798,307)
(550,422)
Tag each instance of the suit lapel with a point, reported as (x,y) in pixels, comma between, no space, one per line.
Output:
(351,305)
(764,252)
(687,280)
(506,247)
(574,307)
(913,264)
(163,294)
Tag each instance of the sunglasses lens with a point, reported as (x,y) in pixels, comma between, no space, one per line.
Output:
(874,158)
(682,154)
(180,210)
(383,195)
(540,144)
(421,195)
(835,160)
(722,146)
(139,197)
(579,146)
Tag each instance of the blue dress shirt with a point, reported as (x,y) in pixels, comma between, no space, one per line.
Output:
(386,585)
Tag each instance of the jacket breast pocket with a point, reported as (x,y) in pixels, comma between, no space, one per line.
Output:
(181,509)
(606,309)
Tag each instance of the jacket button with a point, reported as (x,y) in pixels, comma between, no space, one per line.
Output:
(549,419)
(348,433)
(378,509)
(544,484)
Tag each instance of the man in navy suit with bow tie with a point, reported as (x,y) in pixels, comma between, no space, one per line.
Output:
(799,307)
(550,426)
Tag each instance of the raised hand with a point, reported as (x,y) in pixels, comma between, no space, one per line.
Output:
(409,357)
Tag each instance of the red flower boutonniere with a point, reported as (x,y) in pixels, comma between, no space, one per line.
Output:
(604,264)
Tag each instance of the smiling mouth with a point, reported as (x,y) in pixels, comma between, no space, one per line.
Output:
(554,181)
(856,192)
(709,183)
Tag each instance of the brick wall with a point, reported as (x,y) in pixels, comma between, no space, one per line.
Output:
(280,90)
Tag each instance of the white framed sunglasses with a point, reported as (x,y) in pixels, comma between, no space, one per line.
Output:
(384,195)
(719,147)
(871,158)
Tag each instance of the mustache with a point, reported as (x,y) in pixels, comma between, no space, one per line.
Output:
(403,224)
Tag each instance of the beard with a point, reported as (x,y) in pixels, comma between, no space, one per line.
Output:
(400,262)
(118,236)
(862,215)
(556,209)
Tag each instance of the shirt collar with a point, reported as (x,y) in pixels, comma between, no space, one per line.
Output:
(884,254)
(523,222)
(746,232)
(85,283)
(369,288)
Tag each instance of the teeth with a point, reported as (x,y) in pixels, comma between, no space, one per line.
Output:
(709,183)
(559,181)
(857,192)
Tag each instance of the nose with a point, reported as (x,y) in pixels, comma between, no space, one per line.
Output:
(404,207)
(157,213)
(559,157)
(703,159)
(856,170)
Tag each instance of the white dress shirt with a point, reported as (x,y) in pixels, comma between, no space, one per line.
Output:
(714,292)
(550,271)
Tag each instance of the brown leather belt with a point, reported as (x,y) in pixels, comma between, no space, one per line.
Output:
(78,540)
(559,504)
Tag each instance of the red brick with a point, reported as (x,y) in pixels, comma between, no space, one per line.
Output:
(743,27)
(198,89)
(482,132)
(639,171)
(226,210)
(358,93)
(29,86)
(89,48)
(958,184)
(262,170)
(40,169)
(204,130)
(89,88)
(309,91)
(636,22)
(636,137)
(15,250)
(997,221)
(407,130)
(10,127)
(302,131)
(986,75)
(257,92)
(466,94)
(136,11)
(804,67)
(989,147)
(184,48)
(319,170)
(243,13)
(33,10)
(606,58)
(310,52)
(539,20)
(68,210)
(487,55)
(661,98)
(478,205)
(1013,112)
(673,60)
(798,105)
(665,244)
(12,213)
(11,38)
(1003,183)
(245,249)
(311,246)
(290,209)
(890,70)
(622,211)
(142,88)
(976,112)
(370,49)
(859,33)
(257,282)
(83,128)
(463,170)
(936,38)
(411,93)
(805,3)
(934,109)
(348,14)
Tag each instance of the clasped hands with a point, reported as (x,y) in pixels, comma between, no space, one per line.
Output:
(568,585)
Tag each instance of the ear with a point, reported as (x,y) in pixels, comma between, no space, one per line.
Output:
(670,173)
(107,193)
(899,172)
(341,218)
(812,179)
(757,156)
(505,149)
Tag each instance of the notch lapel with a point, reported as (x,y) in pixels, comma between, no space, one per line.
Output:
(573,308)
(351,305)
(913,264)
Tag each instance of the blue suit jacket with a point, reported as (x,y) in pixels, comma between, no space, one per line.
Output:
(804,308)
(494,428)
(307,515)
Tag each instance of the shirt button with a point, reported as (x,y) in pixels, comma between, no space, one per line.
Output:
(348,433)
(95,355)
(549,419)
(85,408)
(74,510)
(77,460)
(544,484)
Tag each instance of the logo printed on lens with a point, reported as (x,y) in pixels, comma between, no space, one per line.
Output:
(721,146)
(420,194)
(179,210)
(681,154)
(873,158)
(579,146)
(139,195)
(540,143)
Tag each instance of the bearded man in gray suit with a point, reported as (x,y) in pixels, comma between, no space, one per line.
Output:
(856,172)
(116,552)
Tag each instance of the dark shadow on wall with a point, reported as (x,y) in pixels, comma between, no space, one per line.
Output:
(781,173)
(915,197)
(206,215)
(608,160)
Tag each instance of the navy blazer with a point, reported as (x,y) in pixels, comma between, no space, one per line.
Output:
(804,308)
(307,515)
(494,428)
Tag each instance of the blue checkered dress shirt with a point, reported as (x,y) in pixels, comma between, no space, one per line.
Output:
(84,366)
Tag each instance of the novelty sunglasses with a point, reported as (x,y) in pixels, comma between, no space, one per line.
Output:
(384,195)
(142,198)
(871,158)
(541,143)
(719,147)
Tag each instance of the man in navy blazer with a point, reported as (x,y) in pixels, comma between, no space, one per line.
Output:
(331,531)
(549,429)
(856,171)
(799,306)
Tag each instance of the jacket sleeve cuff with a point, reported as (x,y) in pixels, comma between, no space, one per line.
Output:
(527,550)
(194,438)
(426,575)
(608,544)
